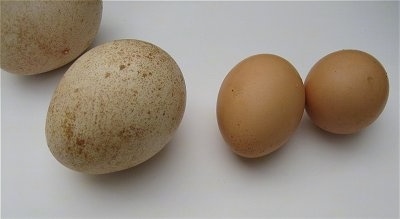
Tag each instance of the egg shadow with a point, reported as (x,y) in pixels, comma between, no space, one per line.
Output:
(306,128)
(341,145)
(138,174)
(48,78)
(39,80)
(337,140)
(270,159)
(105,34)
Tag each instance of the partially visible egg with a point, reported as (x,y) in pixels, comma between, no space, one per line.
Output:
(39,36)
(346,91)
(260,105)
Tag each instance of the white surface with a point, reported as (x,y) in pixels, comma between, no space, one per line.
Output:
(314,174)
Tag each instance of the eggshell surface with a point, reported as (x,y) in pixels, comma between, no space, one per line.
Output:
(260,104)
(117,106)
(346,91)
(39,36)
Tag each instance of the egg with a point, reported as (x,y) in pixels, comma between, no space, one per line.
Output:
(260,105)
(346,91)
(117,106)
(39,36)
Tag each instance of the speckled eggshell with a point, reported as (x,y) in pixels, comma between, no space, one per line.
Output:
(116,106)
(39,36)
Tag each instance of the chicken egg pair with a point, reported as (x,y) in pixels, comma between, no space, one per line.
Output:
(262,99)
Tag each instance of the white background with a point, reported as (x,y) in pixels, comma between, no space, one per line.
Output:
(196,175)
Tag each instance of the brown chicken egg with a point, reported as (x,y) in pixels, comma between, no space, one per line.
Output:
(346,91)
(260,104)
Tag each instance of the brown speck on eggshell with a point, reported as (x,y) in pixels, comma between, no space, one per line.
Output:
(65,51)
(121,120)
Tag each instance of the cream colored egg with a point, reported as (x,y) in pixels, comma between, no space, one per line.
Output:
(39,36)
(116,106)
(260,104)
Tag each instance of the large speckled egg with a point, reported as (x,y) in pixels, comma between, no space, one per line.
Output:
(260,104)
(117,106)
(39,36)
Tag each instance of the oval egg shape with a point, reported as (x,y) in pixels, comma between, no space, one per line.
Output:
(117,106)
(346,91)
(260,104)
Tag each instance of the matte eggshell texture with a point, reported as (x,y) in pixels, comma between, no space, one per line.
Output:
(116,106)
(346,91)
(39,36)
(260,104)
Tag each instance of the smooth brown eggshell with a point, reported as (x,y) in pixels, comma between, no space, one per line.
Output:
(346,91)
(39,36)
(117,106)
(260,104)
